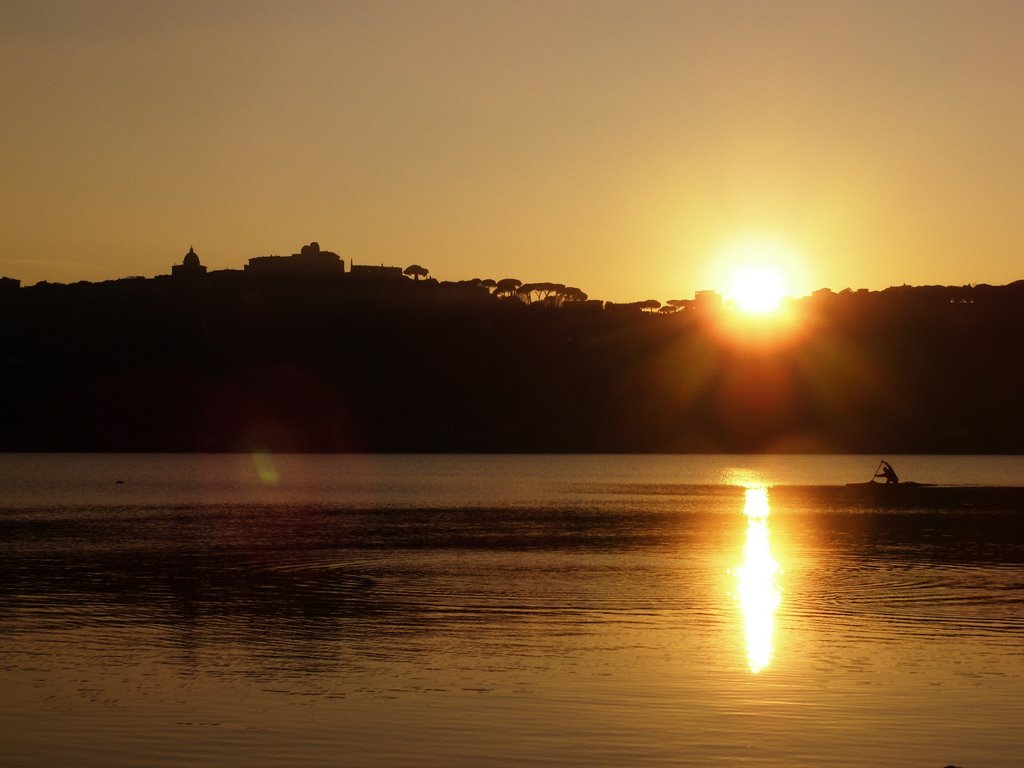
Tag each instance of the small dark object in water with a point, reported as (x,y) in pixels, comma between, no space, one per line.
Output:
(885,470)
(119,482)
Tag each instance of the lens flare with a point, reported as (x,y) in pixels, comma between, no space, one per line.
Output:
(266,470)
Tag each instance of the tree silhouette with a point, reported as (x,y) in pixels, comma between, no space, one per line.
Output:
(549,294)
(415,271)
(651,305)
(572,294)
(507,286)
(539,292)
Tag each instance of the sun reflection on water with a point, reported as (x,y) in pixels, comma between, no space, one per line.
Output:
(758,590)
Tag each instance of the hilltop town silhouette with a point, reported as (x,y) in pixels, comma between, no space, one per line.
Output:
(298,353)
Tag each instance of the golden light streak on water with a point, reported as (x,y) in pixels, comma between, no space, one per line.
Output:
(757,588)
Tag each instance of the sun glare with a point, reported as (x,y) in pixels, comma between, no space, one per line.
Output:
(757,290)
(756,273)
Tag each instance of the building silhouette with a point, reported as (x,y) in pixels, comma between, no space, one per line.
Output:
(310,261)
(189,267)
(376,272)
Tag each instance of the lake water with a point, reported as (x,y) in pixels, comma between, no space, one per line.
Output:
(502,611)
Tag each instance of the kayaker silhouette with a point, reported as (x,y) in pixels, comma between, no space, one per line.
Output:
(886,471)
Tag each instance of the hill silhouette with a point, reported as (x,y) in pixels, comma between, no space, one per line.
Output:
(378,361)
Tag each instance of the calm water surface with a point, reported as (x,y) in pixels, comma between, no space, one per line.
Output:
(504,611)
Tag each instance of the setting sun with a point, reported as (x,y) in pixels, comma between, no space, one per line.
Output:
(756,272)
(757,290)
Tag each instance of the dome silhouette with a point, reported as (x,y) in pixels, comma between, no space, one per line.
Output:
(190,266)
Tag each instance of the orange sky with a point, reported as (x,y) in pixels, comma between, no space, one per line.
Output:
(621,147)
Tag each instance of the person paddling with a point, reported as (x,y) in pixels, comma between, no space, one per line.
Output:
(886,471)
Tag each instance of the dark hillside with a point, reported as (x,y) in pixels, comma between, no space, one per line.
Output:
(232,363)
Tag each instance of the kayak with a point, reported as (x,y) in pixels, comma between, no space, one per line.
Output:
(908,494)
(894,486)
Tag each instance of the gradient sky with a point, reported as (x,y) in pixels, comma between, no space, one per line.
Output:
(621,147)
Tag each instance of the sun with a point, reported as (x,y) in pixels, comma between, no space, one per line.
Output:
(756,289)
(756,273)
(757,278)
